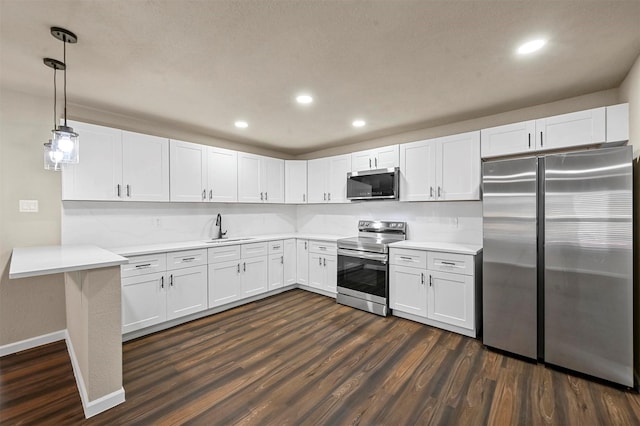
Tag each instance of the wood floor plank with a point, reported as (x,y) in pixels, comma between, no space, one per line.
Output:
(300,358)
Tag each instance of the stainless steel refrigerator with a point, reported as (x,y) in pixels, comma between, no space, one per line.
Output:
(558,260)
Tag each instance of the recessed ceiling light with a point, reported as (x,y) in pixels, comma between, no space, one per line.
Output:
(531,46)
(358,123)
(241,124)
(304,99)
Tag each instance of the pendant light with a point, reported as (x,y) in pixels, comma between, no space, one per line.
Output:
(64,139)
(53,158)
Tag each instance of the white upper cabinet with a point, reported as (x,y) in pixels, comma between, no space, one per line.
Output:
(441,169)
(327,179)
(117,165)
(513,138)
(222,175)
(458,167)
(145,167)
(589,127)
(188,171)
(295,178)
(260,179)
(378,158)
(574,129)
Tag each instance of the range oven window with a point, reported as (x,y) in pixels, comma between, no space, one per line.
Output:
(364,275)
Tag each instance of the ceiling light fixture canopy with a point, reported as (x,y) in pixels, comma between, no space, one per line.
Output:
(64,145)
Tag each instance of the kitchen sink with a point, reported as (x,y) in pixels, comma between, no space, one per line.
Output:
(227,240)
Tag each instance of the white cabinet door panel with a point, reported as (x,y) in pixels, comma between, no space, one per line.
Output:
(145,167)
(330,265)
(290,262)
(144,301)
(317,176)
(408,290)
(222,175)
(458,167)
(187,291)
(302,262)
(188,167)
(451,299)
(339,166)
(254,276)
(417,171)
(387,156)
(276,271)
(508,139)
(249,176)
(295,174)
(316,271)
(573,129)
(273,181)
(225,283)
(362,160)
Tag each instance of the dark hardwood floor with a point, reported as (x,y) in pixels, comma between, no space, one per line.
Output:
(299,358)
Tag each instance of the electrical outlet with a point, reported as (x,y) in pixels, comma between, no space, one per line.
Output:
(28,206)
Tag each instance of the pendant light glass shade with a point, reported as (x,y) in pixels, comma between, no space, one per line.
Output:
(52,158)
(65,141)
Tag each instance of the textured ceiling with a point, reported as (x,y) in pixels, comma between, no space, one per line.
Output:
(400,65)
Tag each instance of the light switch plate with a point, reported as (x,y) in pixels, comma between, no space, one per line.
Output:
(28,206)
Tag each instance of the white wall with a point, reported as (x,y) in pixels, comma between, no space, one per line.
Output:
(113,224)
(453,222)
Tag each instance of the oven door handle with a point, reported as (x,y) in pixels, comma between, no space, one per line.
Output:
(360,255)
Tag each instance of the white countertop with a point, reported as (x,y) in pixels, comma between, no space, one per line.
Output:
(445,247)
(200,244)
(44,260)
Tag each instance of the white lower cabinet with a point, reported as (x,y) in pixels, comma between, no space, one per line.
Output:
(224,283)
(302,262)
(154,291)
(435,288)
(290,262)
(323,266)
(254,276)
(276,271)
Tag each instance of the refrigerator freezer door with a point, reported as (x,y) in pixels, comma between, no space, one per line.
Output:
(509,273)
(588,263)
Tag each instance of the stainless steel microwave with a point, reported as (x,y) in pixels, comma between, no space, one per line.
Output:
(381,184)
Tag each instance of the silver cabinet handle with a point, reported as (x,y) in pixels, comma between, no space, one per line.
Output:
(128,190)
(541,142)
(238,268)
(204,194)
(529,140)
(211,194)
(320,261)
(171,280)
(304,197)
(448,263)
(369,162)
(376,160)
(275,247)
(118,189)
(324,261)
(162,282)
(305,245)
(143,265)
(244,267)
(266,196)
(405,258)
(324,197)
(282,260)
(431,191)
(188,259)
(439,191)
(422,278)
(261,196)
(328,196)
(430,280)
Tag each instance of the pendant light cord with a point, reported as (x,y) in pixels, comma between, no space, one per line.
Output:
(55,93)
(64,59)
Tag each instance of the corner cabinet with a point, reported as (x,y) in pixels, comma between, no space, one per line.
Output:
(295,179)
(116,165)
(327,179)
(260,179)
(442,169)
(440,289)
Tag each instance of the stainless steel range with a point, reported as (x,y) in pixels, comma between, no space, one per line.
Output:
(363,265)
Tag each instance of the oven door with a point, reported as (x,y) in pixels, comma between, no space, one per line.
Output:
(363,275)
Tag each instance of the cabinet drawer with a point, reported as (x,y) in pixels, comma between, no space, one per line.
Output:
(223,254)
(276,247)
(406,257)
(450,262)
(254,249)
(323,247)
(145,264)
(186,258)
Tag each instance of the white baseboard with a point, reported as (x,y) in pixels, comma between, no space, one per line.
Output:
(97,406)
(33,342)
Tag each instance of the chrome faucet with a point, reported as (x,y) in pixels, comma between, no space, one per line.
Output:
(219,225)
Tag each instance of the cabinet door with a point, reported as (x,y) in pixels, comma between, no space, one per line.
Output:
(222,175)
(273,180)
(302,262)
(289,262)
(330,265)
(451,299)
(188,167)
(145,167)
(225,283)
(458,167)
(386,157)
(276,271)
(317,180)
(408,290)
(249,175)
(144,301)
(187,291)
(98,175)
(573,129)
(316,271)
(339,166)
(509,139)
(417,171)
(254,276)
(362,160)
(295,179)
